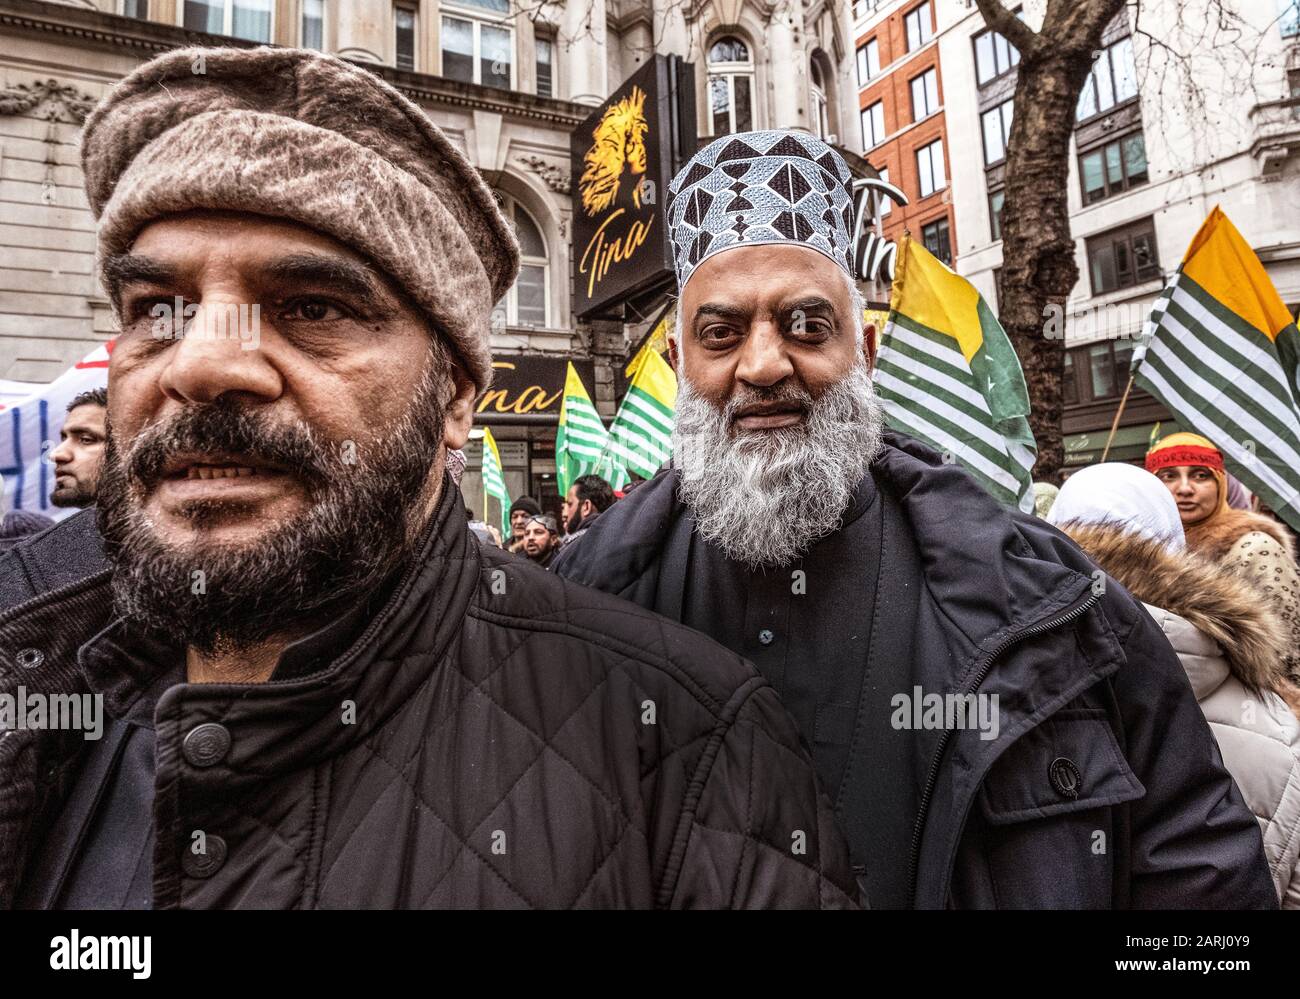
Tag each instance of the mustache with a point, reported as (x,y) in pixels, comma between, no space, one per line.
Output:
(224,427)
(786,391)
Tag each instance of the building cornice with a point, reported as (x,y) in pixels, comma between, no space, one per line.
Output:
(111,32)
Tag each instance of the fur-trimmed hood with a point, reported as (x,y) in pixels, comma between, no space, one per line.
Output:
(1214,600)
(1215,535)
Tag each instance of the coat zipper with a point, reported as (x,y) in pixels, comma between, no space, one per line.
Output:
(932,776)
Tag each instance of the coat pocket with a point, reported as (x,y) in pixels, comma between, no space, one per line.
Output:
(1048,829)
(1069,763)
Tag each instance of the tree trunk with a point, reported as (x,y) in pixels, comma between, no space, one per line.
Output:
(1038,266)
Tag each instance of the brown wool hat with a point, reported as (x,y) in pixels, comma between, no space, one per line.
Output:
(297,135)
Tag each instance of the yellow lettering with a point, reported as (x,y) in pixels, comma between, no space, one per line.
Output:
(603,251)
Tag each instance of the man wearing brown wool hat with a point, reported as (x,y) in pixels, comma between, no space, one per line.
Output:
(319,691)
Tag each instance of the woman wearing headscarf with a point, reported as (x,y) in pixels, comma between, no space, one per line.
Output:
(1255,546)
(1230,643)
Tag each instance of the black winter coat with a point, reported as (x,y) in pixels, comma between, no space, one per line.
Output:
(520,741)
(1011,607)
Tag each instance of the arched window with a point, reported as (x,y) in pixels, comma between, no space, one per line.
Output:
(817,104)
(731,86)
(526,303)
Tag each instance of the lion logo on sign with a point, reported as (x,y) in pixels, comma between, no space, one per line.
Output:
(619,147)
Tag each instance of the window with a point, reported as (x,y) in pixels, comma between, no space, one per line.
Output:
(868,62)
(545,67)
(929,168)
(925,94)
(731,81)
(885,202)
(475,51)
(918,26)
(935,237)
(404,23)
(1069,381)
(996,125)
(248,19)
(994,56)
(873,125)
(817,101)
(313,24)
(996,200)
(1113,81)
(1289,17)
(1101,371)
(1096,372)
(1113,168)
(525,303)
(136,8)
(1123,257)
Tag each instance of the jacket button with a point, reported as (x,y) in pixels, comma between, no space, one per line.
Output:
(765,636)
(30,658)
(206,745)
(206,864)
(1065,777)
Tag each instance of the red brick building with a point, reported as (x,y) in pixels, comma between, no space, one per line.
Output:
(902,119)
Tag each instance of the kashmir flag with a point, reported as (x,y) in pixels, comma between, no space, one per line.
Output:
(494,481)
(655,343)
(581,438)
(641,436)
(29,430)
(1222,352)
(948,376)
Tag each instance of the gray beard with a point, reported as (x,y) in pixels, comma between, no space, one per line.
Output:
(765,497)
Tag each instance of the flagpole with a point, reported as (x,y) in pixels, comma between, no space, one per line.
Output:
(1114,424)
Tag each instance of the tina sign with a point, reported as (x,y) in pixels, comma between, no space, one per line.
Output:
(623,157)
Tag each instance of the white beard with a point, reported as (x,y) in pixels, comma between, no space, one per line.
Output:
(764,497)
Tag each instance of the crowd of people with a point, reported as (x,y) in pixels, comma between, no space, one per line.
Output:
(809,664)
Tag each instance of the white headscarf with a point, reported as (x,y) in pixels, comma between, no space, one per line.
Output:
(1122,496)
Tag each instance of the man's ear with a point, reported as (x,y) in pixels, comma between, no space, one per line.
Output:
(672,353)
(460,410)
(869,345)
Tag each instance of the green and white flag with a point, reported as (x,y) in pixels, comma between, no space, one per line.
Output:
(1222,352)
(494,481)
(581,438)
(947,375)
(641,436)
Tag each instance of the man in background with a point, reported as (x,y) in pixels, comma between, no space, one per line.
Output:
(520,510)
(588,498)
(81,451)
(541,539)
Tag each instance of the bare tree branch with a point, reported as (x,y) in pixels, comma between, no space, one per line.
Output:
(1009,26)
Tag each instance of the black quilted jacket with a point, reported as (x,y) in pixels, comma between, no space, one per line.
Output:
(520,741)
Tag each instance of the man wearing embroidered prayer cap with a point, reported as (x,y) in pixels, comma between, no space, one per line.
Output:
(996,725)
(318,689)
